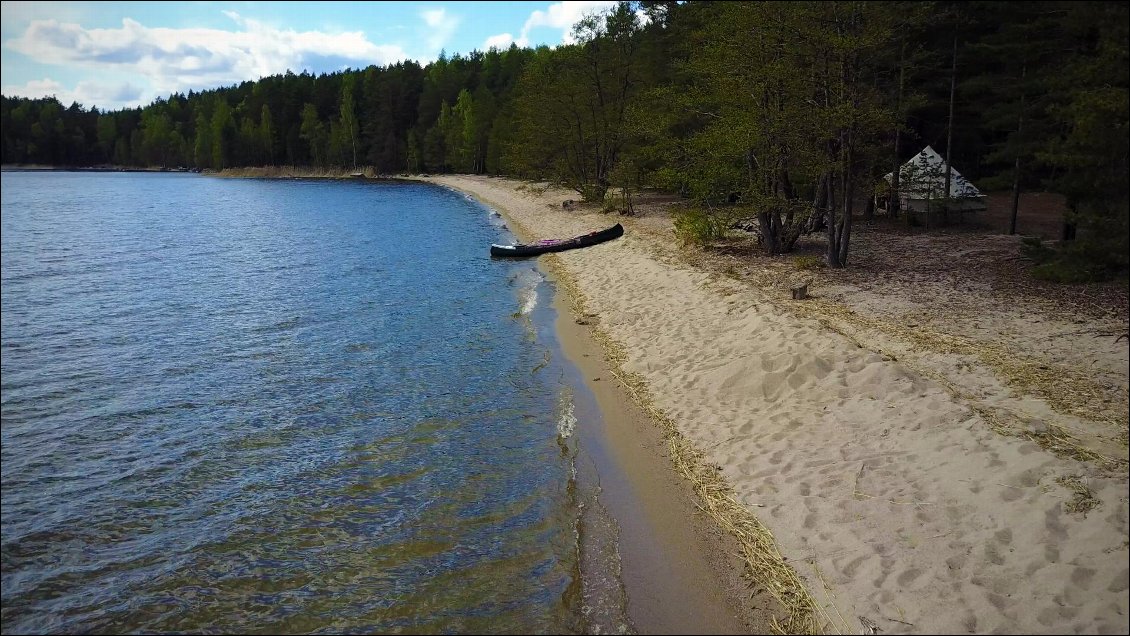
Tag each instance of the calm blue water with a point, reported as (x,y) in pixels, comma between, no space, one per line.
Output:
(277,406)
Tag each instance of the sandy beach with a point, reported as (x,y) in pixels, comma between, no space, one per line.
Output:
(921,469)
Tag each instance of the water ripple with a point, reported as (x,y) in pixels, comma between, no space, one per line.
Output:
(275,406)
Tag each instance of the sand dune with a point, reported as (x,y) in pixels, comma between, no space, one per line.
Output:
(890,495)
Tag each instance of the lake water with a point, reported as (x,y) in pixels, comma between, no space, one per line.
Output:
(281,406)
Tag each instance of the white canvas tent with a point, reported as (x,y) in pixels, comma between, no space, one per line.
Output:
(922,182)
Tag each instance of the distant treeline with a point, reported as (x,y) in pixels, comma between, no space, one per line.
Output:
(793,108)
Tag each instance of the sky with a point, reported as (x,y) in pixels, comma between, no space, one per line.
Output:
(124,54)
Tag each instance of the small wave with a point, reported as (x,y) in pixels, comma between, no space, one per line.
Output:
(529,300)
(566,415)
(282,325)
(496,220)
(527,282)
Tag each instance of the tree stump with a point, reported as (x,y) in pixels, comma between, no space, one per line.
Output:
(800,291)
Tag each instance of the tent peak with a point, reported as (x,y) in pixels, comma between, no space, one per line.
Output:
(923,177)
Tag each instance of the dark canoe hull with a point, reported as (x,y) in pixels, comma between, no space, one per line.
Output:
(560,245)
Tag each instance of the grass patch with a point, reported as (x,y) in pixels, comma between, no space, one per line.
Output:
(808,262)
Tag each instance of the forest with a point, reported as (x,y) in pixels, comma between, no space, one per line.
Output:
(793,109)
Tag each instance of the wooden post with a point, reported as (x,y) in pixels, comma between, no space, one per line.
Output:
(800,292)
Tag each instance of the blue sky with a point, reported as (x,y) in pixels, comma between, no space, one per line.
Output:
(123,54)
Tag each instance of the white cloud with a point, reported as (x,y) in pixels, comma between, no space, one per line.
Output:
(500,41)
(88,93)
(45,87)
(440,28)
(561,15)
(176,60)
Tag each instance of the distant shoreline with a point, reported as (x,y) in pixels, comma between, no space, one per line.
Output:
(260,172)
(41,168)
(303,172)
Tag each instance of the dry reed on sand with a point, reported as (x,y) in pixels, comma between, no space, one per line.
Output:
(1066,390)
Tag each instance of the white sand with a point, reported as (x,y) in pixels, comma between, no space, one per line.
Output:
(887,492)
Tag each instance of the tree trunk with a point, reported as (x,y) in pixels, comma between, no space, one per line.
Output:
(893,205)
(949,128)
(845,221)
(819,206)
(1068,231)
(833,255)
(1016,168)
(769,237)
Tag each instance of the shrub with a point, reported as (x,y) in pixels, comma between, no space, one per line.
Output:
(697,226)
(1081,261)
(1033,249)
(593,192)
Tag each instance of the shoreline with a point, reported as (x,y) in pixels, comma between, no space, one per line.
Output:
(710,573)
(679,571)
(894,499)
(680,575)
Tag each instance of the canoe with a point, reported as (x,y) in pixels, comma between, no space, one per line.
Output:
(558,245)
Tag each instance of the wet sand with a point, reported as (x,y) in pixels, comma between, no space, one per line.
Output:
(680,573)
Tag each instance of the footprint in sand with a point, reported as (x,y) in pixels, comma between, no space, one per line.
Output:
(1120,583)
(908,577)
(1083,577)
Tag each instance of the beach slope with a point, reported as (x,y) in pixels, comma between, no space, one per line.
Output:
(894,499)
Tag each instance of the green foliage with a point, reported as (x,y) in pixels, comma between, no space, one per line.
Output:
(1091,100)
(222,135)
(572,103)
(266,137)
(202,145)
(314,133)
(349,129)
(785,107)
